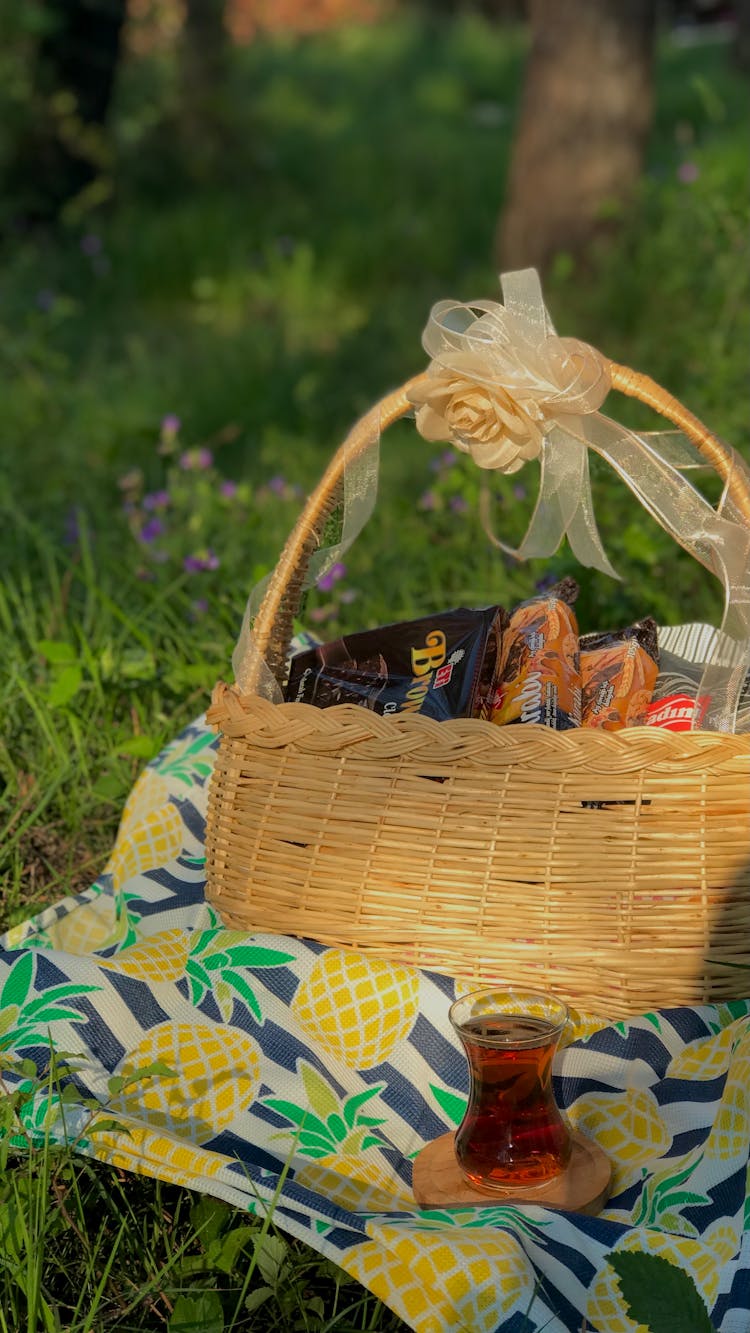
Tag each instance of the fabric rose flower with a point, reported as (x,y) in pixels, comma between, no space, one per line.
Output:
(500,380)
(486,421)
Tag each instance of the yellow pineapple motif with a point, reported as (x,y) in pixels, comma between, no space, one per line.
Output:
(708,1057)
(358,1009)
(16,935)
(606,1308)
(159,1155)
(730,1133)
(162,957)
(87,928)
(466,1282)
(153,841)
(355,1184)
(723,1239)
(581,1025)
(627,1125)
(148,792)
(218,1075)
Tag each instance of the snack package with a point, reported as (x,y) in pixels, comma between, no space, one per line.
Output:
(540,677)
(618,673)
(676,704)
(442,666)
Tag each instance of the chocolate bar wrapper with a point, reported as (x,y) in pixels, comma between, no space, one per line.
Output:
(618,673)
(540,677)
(441,666)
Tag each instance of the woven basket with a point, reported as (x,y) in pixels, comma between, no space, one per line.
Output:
(471,849)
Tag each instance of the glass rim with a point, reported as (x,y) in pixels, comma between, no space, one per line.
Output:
(523,993)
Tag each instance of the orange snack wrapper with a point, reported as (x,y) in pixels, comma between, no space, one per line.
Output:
(539,679)
(618,674)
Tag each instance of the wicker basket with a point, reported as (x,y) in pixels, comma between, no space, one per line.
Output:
(471,849)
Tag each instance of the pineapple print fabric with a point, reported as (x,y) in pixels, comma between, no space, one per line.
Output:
(291,1060)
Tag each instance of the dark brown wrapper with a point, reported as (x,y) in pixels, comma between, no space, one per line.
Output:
(441,666)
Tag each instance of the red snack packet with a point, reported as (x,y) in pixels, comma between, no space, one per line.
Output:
(618,673)
(677,704)
(442,666)
(540,677)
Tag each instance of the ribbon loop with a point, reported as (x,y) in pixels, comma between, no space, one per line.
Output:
(503,387)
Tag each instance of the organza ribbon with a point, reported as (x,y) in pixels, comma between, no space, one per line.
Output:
(504,388)
(360,489)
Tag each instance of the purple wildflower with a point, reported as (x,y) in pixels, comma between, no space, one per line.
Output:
(321,613)
(519,492)
(91,244)
(688,172)
(331,576)
(199,564)
(196,460)
(458,504)
(228,489)
(170,424)
(72,531)
(428,501)
(277,484)
(152,529)
(448,458)
(156,500)
(199,608)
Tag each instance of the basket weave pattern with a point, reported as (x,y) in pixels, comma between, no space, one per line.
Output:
(611,868)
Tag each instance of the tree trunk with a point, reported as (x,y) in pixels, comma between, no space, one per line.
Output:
(203,75)
(585,116)
(741,49)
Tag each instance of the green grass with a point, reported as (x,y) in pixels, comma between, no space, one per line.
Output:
(267,299)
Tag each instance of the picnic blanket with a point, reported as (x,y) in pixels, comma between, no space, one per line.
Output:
(340,1068)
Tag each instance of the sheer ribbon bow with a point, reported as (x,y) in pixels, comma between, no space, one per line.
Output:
(503,387)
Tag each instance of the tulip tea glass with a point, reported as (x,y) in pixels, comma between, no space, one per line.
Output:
(512,1134)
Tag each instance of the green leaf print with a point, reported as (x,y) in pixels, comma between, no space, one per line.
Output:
(220,952)
(654,1021)
(245,992)
(53,995)
(297,1115)
(659,1295)
(251,955)
(18,982)
(344,1130)
(319,1092)
(450,1102)
(433,1219)
(309,1140)
(662,1194)
(676,1224)
(352,1104)
(23,1016)
(337,1127)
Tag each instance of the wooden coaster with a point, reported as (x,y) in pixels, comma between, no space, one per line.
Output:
(583,1187)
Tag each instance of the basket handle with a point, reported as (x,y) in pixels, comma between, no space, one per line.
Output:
(272,630)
